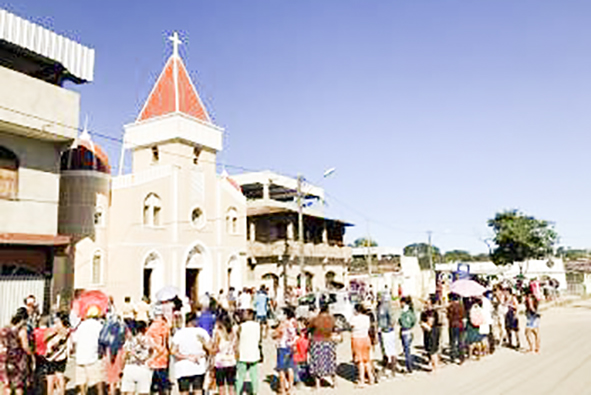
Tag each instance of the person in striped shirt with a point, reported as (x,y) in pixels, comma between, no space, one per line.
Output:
(56,354)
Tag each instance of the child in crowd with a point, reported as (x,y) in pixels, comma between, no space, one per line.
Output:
(300,356)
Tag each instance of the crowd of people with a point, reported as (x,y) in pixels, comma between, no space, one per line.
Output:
(147,348)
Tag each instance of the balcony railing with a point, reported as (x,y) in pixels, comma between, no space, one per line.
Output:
(292,248)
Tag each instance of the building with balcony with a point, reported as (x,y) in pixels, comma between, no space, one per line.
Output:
(39,119)
(273,248)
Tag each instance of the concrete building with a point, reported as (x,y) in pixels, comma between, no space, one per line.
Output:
(173,220)
(38,119)
(273,246)
(388,267)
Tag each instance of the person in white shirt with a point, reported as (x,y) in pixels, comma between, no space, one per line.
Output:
(486,328)
(190,346)
(245,300)
(249,355)
(89,367)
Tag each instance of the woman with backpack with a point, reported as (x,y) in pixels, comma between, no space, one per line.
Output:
(407,321)
(473,336)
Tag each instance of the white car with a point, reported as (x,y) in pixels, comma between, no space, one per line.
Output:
(339,305)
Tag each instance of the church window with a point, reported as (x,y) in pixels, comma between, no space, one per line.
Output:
(99,217)
(232,221)
(198,219)
(97,267)
(152,210)
(9,165)
(155,154)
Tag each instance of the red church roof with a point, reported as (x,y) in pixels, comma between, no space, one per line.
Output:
(172,94)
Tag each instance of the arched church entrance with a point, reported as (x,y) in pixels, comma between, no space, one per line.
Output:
(153,275)
(195,276)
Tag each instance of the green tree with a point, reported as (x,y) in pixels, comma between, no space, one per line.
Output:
(572,254)
(519,237)
(481,257)
(421,250)
(363,242)
(457,256)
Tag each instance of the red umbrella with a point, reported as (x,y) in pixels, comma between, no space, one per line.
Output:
(91,298)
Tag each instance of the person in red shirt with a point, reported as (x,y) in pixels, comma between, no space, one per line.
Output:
(300,355)
(159,333)
(39,335)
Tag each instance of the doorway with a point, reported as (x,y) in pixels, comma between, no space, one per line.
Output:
(153,275)
(147,282)
(192,285)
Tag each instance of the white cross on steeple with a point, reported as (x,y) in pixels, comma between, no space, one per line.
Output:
(176,41)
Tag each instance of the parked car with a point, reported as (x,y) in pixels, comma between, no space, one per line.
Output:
(339,305)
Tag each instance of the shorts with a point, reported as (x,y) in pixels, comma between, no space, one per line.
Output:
(185,383)
(136,378)
(262,319)
(225,376)
(41,366)
(360,347)
(533,321)
(90,375)
(284,359)
(54,367)
(160,381)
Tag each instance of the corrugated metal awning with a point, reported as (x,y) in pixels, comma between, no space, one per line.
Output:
(77,59)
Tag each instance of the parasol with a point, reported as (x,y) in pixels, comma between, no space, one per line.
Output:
(167,293)
(467,288)
(88,299)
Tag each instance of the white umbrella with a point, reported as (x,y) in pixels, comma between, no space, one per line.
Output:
(467,288)
(167,293)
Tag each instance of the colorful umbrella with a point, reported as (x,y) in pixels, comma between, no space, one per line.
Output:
(95,300)
(467,288)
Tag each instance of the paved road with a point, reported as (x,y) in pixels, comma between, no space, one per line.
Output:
(563,366)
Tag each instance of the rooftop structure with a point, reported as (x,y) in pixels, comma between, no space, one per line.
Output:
(38,52)
(273,246)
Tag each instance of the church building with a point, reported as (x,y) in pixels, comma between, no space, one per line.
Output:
(173,220)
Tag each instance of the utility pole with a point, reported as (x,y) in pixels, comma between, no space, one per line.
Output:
(300,203)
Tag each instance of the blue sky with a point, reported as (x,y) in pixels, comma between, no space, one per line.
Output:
(436,114)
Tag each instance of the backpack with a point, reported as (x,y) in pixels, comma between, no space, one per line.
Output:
(476,316)
(407,319)
(111,337)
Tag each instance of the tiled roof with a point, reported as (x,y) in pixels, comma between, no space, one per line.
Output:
(173,94)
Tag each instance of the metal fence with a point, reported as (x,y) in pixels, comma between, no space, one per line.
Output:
(13,291)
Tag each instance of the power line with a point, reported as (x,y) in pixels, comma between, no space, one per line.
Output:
(120,141)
